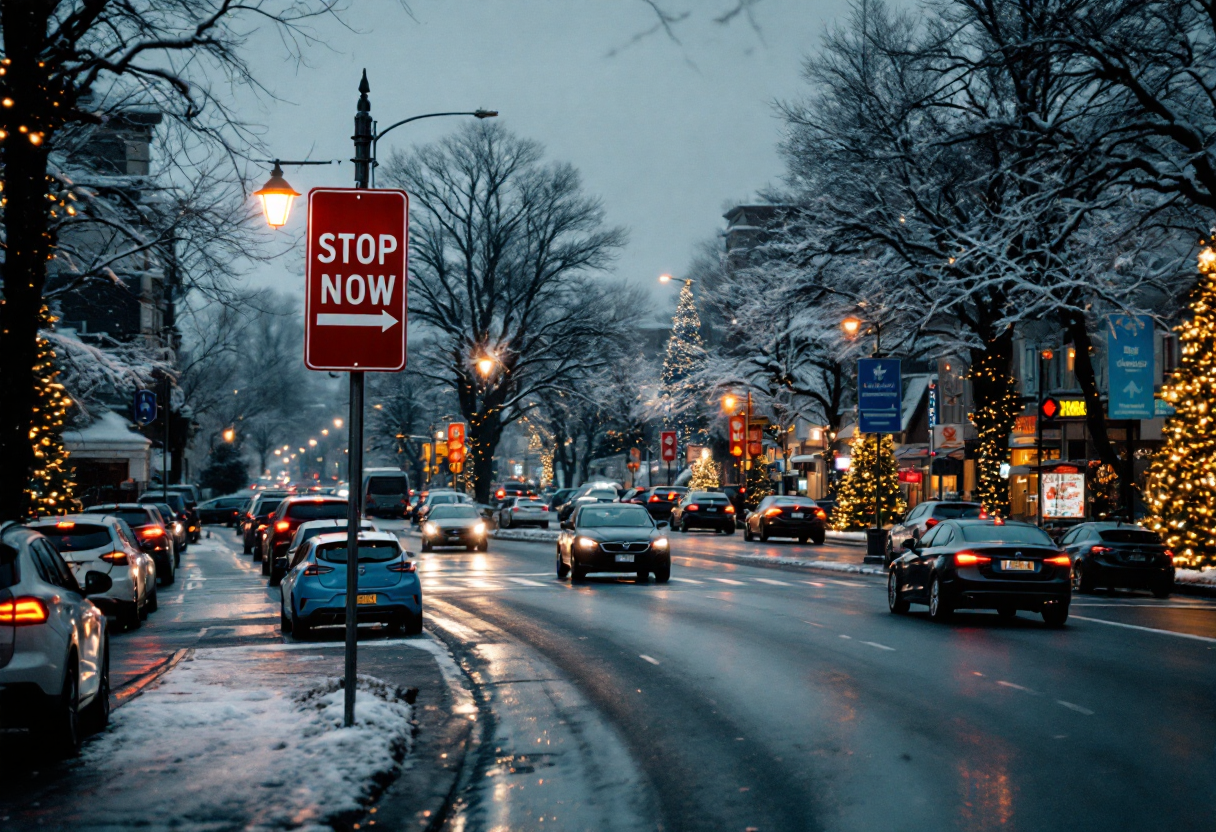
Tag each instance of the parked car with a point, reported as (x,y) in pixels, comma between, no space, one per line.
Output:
(175,527)
(386,492)
(282,524)
(306,532)
(54,643)
(523,511)
(703,510)
(982,564)
(787,516)
(661,499)
(454,524)
(925,516)
(438,498)
(97,543)
(1119,555)
(511,489)
(313,593)
(150,533)
(257,515)
(595,492)
(225,510)
(190,497)
(559,497)
(173,506)
(613,537)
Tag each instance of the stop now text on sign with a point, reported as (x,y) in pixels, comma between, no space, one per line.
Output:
(356,272)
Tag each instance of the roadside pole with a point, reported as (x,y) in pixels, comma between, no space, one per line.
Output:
(164,447)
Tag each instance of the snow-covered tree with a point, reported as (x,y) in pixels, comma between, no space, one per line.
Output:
(680,395)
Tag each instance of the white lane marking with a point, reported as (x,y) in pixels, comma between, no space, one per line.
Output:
(526,582)
(688,581)
(773,582)
(879,646)
(727,581)
(844,583)
(1017,687)
(466,633)
(1146,629)
(850,638)
(812,623)
(1204,607)
(648,659)
(815,583)
(1076,708)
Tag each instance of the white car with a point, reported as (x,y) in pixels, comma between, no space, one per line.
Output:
(89,542)
(524,511)
(54,645)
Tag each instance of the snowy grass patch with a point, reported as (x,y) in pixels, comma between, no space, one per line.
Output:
(1196,577)
(244,740)
(543,535)
(825,565)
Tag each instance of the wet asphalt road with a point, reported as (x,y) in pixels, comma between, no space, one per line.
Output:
(785,699)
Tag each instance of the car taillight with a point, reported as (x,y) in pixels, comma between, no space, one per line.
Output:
(282,525)
(1169,555)
(116,558)
(404,566)
(970,559)
(654,498)
(821,514)
(514,509)
(1101,550)
(772,512)
(672,496)
(314,569)
(544,508)
(22,611)
(692,507)
(65,524)
(500,493)
(261,526)
(152,531)
(730,509)
(1058,560)
(930,523)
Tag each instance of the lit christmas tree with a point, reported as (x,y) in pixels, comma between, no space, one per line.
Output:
(759,485)
(1181,482)
(996,408)
(872,469)
(705,473)
(52,483)
(685,355)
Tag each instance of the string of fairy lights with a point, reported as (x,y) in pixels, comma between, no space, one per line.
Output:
(873,475)
(52,483)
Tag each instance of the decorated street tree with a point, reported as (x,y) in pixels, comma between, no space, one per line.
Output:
(759,485)
(52,481)
(705,473)
(996,409)
(872,471)
(1181,482)
(684,358)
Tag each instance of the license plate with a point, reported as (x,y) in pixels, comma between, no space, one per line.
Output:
(797,515)
(624,558)
(365,599)
(711,510)
(1017,565)
(1140,558)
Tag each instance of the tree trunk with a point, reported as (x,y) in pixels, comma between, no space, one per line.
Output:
(484,433)
(29,242)
(1095,413)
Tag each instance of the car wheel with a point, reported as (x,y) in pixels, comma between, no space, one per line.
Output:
(729,530)
(939,607)
(819,537)
(662,573)
(170,575)
(684,525)
(300,629)
(412,626)
(578,573)
(96,715)
(129,617)
(562,569)
(763,533)
(1007,613)
(63,717)
(472,547)
(803,540)
(276,577)
(426,545)
(1054,615)
(747,533)
(1081,582)
(1162,589)
(266,563)
(284,619)
(153,603)
(895,599)
(506,521)
(246,548)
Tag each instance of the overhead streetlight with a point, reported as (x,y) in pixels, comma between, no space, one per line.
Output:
(325,431)
(229,434)
(729,402)
(485,365)
(337,423)
(277,196)
(851,326)
(312,443)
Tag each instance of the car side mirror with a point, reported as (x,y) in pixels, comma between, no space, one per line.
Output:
(909,544)
(95,583)
(662,524)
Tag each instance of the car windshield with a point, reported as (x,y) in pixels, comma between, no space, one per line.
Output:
(316,511)
(386,485)
(992,533)
(132,517)
(529,502)
(618,515)
(165,511)
(171,499)
(307,534)
(602,494)
(455,513)
(375,551)
(77,537)
(1129,536)
(955,511)
(440,499)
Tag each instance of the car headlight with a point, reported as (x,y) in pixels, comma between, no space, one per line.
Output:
(587,543)
(429,528)
(659,543)
(479,529)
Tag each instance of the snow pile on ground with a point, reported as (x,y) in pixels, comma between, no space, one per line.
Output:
(846,537)
(252,740)
(543,535)
(825,565)
(1199,577)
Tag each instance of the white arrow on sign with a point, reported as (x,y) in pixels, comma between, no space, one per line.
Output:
(384,320)
(1132,389)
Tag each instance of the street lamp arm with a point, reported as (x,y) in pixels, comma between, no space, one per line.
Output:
(380,135)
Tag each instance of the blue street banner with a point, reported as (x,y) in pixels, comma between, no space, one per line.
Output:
(879,395)
(1130,367)
(145,407)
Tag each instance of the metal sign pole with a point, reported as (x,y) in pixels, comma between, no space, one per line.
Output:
(354,509)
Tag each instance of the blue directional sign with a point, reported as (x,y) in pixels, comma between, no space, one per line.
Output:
(879,395)
(1130,366)
(145,407)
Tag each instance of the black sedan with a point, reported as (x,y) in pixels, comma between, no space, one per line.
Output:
(613,537)
(662,499)
(704,510)
(454,524)
(1119,555)
(226,510)
(982,564)
(781,516)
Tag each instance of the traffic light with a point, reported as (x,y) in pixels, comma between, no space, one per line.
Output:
(1049,410)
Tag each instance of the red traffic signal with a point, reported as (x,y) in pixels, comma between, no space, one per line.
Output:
(1049,409)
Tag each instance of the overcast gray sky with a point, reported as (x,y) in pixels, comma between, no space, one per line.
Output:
(666,134)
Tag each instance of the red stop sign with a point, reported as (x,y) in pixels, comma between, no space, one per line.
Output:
(356,272)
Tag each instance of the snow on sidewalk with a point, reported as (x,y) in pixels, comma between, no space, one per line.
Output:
(248,739)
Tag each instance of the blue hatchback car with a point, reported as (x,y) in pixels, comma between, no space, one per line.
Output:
(314,590)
